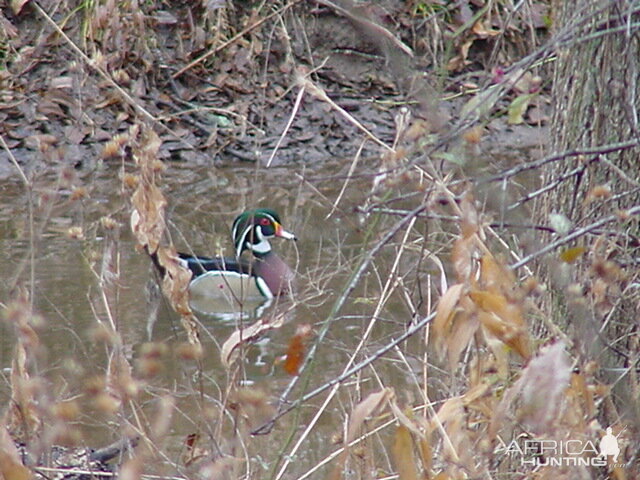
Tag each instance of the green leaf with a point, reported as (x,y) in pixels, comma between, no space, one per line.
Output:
(451,158)
(518,108)
(482,103)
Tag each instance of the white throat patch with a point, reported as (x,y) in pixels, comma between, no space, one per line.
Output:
(263,245)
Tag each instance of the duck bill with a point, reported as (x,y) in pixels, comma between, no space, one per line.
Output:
(282,233)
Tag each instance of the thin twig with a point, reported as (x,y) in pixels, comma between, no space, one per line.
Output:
(235,38)
(296,107)
(572,236)
(13,160)
(352,168)
(378,29)
(557,181)
(388,288)
(554,157)
(318,92)
(92,64)
(351,285)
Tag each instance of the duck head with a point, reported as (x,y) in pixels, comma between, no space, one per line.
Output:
(253,229)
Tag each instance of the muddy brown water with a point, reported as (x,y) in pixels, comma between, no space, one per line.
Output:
(202,204)
(65,284)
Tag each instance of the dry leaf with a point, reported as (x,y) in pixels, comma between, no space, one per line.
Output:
(503,319)
(483,32)
(469,218)
(148,225)
(463,258)
(365,409)
(455,323)
(464,328)
(17,6)
(446,311)
(147,218)
(175,281)
(543,385)
(11,466)
(494,277)
(542,389)
(403,419)
(450,416)
(244,335)
(403,454)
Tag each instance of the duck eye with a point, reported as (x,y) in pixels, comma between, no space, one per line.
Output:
(264,222)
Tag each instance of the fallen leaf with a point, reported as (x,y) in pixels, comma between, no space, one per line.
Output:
(483,32)
(465,326)
(17,6)
(295,350)
(245,335)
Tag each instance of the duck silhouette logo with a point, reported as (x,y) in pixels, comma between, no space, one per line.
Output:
(609,446)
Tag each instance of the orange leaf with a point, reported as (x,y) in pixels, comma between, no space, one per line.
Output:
(489,302)
(483,32)
(512,335)
(295,351)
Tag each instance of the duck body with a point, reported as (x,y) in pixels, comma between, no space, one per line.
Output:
(237,280)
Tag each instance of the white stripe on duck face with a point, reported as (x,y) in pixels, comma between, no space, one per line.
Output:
(236,225)
(263,246)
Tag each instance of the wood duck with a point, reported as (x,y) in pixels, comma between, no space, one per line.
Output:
(264,276)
